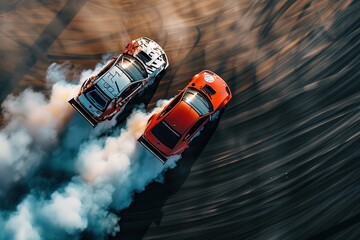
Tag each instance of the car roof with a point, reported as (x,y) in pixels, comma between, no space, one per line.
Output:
(181,117)
(113,82)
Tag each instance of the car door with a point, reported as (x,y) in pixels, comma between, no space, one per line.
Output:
(130,91)
(196,127)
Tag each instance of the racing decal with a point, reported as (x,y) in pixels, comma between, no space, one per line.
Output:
(108,87)
(153,51)
(110,78)
(132,47)
(208,78)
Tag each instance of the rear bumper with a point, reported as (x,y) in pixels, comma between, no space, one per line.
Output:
(152,149)
(83,112)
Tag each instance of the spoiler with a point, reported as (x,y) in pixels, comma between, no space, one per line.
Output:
(152,149)
(83,112)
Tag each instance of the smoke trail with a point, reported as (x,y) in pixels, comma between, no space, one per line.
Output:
(106,170)
(32,125)
(110,170)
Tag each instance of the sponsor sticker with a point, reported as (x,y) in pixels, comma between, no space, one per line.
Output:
(208,78)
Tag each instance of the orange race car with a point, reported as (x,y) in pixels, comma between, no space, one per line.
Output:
(104,95)
(170,131)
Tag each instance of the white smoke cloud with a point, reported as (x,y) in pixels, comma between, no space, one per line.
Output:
(32,125)
(106,169)
(110,171)
(69,205)
(19,226)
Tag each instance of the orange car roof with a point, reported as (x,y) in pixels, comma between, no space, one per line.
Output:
(182,117)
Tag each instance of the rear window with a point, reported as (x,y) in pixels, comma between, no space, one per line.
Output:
(97,98)
(166,134)
(132,67)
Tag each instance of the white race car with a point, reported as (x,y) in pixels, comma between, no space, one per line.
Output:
(104,95)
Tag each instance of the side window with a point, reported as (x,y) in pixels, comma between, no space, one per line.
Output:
(172,104)
(195,127)
(129,90)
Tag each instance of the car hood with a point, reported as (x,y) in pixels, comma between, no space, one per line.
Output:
(207,80)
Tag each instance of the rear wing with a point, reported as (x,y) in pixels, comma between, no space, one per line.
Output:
(152,149)
(83,112)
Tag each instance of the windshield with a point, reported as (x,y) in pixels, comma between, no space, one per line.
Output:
(166,134)
(132,67)
(197,101)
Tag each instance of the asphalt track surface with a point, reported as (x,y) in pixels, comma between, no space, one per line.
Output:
(283,160)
